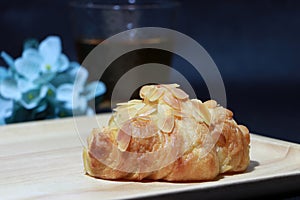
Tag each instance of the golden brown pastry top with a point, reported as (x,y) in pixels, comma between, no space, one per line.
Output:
(167,136)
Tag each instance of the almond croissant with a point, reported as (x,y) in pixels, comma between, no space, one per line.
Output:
(169,137)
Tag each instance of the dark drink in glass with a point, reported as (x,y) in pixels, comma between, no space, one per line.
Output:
(95,21)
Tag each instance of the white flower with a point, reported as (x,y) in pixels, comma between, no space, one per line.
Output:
(40,65)
(5,109)
(76,96)
(44,84)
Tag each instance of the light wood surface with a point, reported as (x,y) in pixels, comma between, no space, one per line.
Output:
(43,160)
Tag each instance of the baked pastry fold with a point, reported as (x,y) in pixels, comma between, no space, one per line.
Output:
(167,136)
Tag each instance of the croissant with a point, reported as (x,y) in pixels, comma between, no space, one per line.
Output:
(167,136)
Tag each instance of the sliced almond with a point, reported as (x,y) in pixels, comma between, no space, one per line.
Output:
(197,116)
(156,94)
(143,119)
(167,124)
(211,103)
(165,118)
(124,137)
(128,112)
(202,110)
(179,94)
(170,86)
(124,114)
(134,101)
(187,108)
(143,127)
(146,91)
(138,106)
(179,113)
(176,92)
(129,103)
(151,129)
(146,110)
(171,101)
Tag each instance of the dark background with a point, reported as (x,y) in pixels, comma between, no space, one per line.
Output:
(254,43)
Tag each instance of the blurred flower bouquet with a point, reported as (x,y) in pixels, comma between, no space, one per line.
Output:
(44,84)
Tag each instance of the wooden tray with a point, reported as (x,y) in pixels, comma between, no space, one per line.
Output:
(42,160)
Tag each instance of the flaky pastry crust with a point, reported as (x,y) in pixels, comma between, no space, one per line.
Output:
(167,136)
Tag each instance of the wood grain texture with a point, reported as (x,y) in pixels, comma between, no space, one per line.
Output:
(43,160)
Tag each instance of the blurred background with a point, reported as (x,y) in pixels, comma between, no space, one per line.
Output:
(254,43)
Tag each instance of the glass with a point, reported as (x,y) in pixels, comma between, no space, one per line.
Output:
(95,21)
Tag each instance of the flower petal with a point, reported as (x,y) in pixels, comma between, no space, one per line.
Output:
(94,89)
(43,92)
(51,93)
(62,78)
(8,59)
(9,89)
(62,63)
(3,73)
(74,64)
(80,80)
(67,76)
(101,89)
(50,49)
(33,55)
(30,99)
(28,68)
(49,68)
(2,121)
(40,108)
(44,78)
(6,107)
(64,92)
(24,85)
(80,106)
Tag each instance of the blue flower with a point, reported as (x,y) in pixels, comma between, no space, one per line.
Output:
(29,77)
(42,83)
(40,65)
(75,96)
(6,109)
